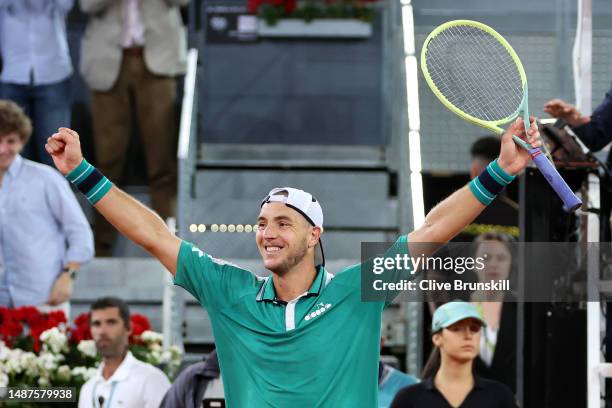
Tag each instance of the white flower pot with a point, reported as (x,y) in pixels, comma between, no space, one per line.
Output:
(318,28)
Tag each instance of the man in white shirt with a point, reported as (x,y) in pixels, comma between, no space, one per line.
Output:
(122,380)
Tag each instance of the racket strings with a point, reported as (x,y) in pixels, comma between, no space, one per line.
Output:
(475,72)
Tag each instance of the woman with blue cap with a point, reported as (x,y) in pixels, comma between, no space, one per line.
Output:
(449,381)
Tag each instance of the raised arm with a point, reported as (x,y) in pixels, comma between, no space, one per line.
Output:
(134,220)
(454,213)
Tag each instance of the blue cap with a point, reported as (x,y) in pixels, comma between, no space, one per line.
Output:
(452,312)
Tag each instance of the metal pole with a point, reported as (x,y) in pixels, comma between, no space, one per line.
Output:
(593,311)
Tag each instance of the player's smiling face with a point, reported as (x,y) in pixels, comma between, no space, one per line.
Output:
(282,237)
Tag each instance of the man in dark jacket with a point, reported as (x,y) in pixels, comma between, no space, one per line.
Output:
(195,383)
(595,130)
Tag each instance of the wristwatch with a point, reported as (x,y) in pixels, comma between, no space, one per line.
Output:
(71,271)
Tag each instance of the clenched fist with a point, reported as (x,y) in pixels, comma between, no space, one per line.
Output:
(65,150)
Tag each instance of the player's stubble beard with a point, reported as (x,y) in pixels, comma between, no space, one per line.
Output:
(291,260)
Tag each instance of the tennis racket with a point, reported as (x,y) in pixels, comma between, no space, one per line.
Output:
(476,74)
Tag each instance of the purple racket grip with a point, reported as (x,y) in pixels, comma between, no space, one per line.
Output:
(570,201)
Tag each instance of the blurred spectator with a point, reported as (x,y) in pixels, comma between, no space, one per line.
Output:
(44,236)
(448,377)
(196,385)
(497,357)
(121,380)
(502,213)
(131,53)
(595,130)
(390,381)
(36,66)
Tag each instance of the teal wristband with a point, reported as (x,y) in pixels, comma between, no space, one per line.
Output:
(490,182)
(481,193)
(89,181)
(499,174)
(80,172)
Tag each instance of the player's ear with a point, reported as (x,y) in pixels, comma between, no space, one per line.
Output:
(315,234)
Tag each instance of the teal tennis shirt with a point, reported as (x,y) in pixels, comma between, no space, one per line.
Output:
(318,350)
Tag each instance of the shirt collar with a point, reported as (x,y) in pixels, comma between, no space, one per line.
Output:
(268,293)
(122,372)
(429,383)
(15,166)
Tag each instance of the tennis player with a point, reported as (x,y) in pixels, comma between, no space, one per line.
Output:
(302,337)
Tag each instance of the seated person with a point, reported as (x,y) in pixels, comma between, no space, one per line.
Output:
(195,384)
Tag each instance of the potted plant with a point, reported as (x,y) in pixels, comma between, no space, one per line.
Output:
(313,18)
(42,350)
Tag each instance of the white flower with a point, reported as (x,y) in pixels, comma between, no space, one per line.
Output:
(13,361)
(29,363)
(49,361)
(78,370)
(87,348)
(177,353)
(155,347)
(172,356)
(155,357)
(4,353)
(63,373)
(53,339)
(43,381)
(85,372)
(90,372)
(149,336)
(4,380)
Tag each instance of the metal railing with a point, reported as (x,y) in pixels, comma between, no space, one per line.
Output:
(174,303)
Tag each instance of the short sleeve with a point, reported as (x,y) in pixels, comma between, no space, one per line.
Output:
(213,282)
(362,276)
(399,249)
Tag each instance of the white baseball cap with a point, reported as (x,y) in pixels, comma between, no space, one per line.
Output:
(306,205)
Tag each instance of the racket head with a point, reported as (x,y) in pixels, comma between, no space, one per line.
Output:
(475,73)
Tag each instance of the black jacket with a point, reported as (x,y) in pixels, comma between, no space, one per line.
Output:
(188,389)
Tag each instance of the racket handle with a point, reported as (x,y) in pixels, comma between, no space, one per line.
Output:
(570,201)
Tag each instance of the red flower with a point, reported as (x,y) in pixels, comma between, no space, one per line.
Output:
(25,313)
(81,330)
(10,327)
(140,323)
(82,319)
(253,5)
(80,333)
(290,6)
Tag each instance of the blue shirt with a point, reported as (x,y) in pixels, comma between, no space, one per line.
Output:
(33,41)
(390,382)
(42,227)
